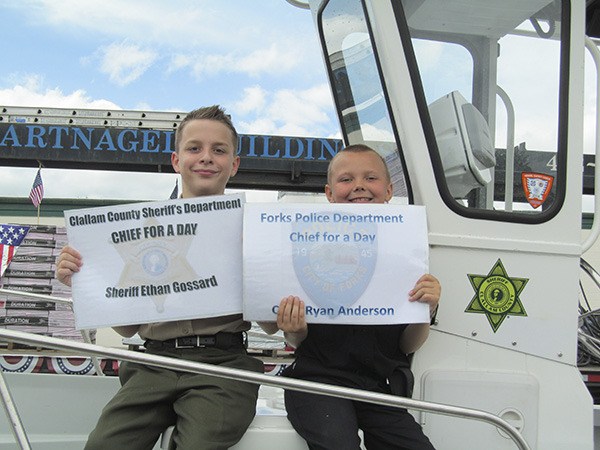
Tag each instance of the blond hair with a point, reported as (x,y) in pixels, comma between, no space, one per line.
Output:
(358,148)
(215,113)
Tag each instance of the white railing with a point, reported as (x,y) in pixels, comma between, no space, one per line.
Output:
(248,376)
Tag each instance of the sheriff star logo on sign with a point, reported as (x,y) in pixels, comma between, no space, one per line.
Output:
(154,262)
(497,295)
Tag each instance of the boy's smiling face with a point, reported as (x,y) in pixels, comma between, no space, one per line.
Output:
(358,177)
(206,158)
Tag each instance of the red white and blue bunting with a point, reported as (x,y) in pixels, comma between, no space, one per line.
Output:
(20,364)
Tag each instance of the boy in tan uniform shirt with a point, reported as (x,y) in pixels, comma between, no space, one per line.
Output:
(208,412)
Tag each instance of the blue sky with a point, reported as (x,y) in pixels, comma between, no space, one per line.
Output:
(260,60)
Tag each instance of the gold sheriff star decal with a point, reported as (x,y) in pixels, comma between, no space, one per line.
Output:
(155,263)
(497,295)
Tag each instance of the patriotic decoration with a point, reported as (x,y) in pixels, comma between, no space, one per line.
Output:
(11,237)
(37,190)
(56,365)
(274,369)
(72,366)
(31,270)
(20,364)
(175,192)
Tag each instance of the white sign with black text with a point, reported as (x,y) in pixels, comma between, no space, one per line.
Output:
(157,261)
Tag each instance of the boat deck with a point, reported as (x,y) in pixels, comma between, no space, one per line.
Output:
(58,412)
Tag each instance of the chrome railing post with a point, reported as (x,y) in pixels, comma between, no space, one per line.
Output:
(13,415)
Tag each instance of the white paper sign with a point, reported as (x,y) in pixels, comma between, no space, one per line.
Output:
(351,264)
(157,261)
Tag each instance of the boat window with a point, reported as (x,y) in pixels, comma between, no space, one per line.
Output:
(359,94)
(491,74)
(493,77)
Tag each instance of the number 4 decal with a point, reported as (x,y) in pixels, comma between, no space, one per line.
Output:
(552,163)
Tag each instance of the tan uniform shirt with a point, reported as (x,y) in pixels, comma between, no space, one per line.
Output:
(161,331)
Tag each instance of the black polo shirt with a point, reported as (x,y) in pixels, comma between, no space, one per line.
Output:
(361,356)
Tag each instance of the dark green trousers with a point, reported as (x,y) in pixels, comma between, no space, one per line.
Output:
(208,412)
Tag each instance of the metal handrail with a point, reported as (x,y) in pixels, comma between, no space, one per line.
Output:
(509,170)
(253,377)
(36,297)
(13,415)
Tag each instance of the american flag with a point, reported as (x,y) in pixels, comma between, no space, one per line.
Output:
(11,237)
(37,190)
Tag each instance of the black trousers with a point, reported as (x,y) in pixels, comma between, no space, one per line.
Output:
(330,423)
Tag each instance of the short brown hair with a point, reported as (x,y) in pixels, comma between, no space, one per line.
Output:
(215,113)
(358,148)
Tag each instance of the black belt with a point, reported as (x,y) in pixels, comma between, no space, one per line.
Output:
(220,340)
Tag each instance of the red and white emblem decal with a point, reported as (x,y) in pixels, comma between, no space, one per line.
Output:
(537,186)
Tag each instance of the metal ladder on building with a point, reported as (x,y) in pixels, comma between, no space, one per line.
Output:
(114,118)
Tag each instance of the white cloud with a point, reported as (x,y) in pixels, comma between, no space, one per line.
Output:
(211,65)
(256,126)
(321,95)
(184,24)
(144,20)
(272,59)
(28,90)
(300,107)
(179,62)
(254,99)
(285,111)
(202,37)
(293,129)
(124,63)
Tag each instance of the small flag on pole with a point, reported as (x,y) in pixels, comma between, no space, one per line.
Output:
(11,237)
(175,192)
(37,190)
